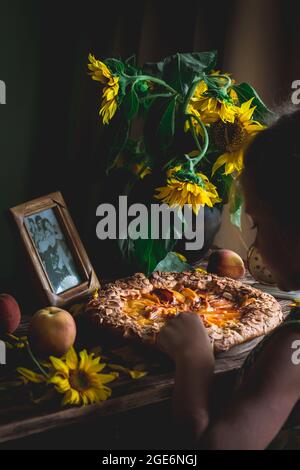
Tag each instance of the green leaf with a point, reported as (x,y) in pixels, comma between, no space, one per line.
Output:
(245,92)
(123,82)
(235,204)
(144,254)
(166,127)
(126,247)
(149,253)
(155,140)
(117,137)
(182,67)
(130,66)
(154,68)
(235,217)
(200,61)
(115,65)
(131,104)
(171,263)
(131,60)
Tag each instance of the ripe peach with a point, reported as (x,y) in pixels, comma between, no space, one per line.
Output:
(226,263)
(52,331)
(10,315)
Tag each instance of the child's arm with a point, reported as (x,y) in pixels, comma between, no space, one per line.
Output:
(260,407)
(264,401)
(185,340)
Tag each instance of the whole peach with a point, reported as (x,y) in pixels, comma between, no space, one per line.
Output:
(226,263)
(10,315)
(52,331)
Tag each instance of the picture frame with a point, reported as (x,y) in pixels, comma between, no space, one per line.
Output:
(56,255)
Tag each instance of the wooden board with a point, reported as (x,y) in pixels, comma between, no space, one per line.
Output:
(23,420)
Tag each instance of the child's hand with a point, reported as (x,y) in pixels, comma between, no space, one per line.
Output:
(185,335)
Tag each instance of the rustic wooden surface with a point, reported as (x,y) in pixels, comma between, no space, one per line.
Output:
(18,421)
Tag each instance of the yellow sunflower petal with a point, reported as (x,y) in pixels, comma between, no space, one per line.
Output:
(72,359)
(59,366)
(110,90)
(106,378)
(30,376)
(180,256)
(62,384)
(246,105)
(72,397)
(137,374)
(84,358)
(180,193)
(219,162)
(102,394)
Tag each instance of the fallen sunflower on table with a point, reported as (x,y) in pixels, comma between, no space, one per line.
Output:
(79,378)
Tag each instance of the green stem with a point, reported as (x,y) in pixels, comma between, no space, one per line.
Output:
(191,163)
(137,78)
(156,95)
(191,93)
(195,137)
(203,151)
(36,362)
(169,163)
(225,77)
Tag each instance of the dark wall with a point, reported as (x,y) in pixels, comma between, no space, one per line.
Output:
(50,132)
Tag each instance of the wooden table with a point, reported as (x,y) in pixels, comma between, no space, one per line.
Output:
(19,421)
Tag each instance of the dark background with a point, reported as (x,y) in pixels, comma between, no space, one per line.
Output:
(50,134)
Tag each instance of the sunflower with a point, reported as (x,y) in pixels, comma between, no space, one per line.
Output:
(231,138)
(79,379)
(179,193)
(209,107)
(192,108)
(101,73)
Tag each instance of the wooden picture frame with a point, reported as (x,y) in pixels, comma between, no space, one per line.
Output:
(56,255)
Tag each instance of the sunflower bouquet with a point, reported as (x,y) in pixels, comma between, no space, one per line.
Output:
(197,122)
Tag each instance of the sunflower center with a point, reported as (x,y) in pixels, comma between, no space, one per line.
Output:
(79,380)
(228,137)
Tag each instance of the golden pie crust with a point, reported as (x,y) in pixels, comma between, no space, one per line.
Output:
(138,307)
